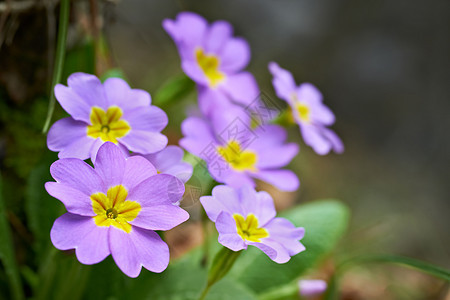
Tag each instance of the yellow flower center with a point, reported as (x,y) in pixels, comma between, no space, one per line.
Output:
(210,66)
(248,228)
(303,111)
(113,208)
(240,160)
(107,125)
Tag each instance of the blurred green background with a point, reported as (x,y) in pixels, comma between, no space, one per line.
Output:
(383,67)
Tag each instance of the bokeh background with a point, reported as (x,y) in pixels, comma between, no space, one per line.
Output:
(383,67)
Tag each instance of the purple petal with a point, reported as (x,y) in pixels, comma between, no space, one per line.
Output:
(336,142)
(312,287)
(138,248)
(228,236)
(198,136)
(119,93)
(258,203)
(273,250)
(284,180)
(160,217)
(89,88)
(147,118)
(64,132)
(188,28)
(211,100)
(78,175)
(80,233)
(182,171)
(218,34)
(313,137)
(137,169)
(285,233)
(144,142)
(276,157)
(193,70)
(161,189)
(223,199)
(235,179)
(235,55)
(94,148)
(80,148)
(74,200)
(242,88)
(72,103)
(166,158)
(283,82)
(308,92)
(110,164)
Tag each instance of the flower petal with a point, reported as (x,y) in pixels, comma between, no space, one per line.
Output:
(224,198)
(218,35)
(160,217)
(285,233)
(74,200)
(110,164)
(198,137)
(137,169)
(313,137)
(80,148)
(144,142)
(284,180)
(242,88)
(78,175)
(273,250)
(258,203)
(161,189)
(89,88)
(119,93)
(336,142)
(146,118)
(235,55)
(80,233)
(64,132)
(72,103)
(283,82)
(188,28)
(228,236)
(138,248)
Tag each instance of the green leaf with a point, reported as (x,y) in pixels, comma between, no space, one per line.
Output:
(324,221)
(173,90)
(7,256)
(406,261)
(113,73)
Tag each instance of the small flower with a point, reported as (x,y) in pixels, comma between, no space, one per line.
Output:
(109,112)
(309,288)
(214,59)
(235,154)
(170,161)
(114,209)
(308,111)
(245,217)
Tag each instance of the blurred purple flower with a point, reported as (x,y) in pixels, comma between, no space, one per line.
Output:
(245,217)
(236,154)
(310,288)
(170,161)
(108,112)
(114,209)
(308,111)
(214,59)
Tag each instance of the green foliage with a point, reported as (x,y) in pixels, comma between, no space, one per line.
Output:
(173,90)
(7,256)
(324,221)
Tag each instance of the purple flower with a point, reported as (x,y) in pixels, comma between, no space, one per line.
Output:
(308,111)
(310,288)
(236,154)
(109,112)
(170,161)
(114,209)
(214,59)
(245,217)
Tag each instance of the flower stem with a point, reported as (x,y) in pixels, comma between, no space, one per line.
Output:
(223,261)
(59,59)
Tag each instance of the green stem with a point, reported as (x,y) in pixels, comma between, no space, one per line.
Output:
(221,265)
(59,59)
(205,231)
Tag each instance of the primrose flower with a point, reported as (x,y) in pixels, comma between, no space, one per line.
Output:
(245,217)
(214,59)
(108,112)
(308,111)
(170,161)
(235,154)
(310,288)
(114,209)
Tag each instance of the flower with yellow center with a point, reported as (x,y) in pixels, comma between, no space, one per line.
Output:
(240,160)
(303,111)
(210,66)
(113,208)
(108,125)
(248,229)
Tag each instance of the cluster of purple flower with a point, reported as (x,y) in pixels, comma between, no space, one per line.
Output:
(115,206)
